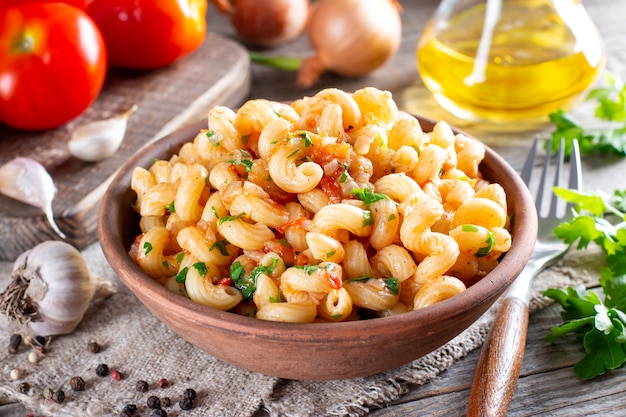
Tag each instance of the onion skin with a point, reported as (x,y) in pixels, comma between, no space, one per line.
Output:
(351,37)
(267,22)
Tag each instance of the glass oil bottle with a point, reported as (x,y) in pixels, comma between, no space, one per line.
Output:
(509,61)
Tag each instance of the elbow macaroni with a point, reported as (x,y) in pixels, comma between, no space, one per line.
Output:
(320,210)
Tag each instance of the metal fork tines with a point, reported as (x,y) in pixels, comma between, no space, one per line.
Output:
(501,357)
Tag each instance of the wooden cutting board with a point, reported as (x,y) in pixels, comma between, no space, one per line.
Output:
(218,73)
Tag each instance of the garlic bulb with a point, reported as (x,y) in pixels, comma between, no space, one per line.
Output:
(99,140)
(51,289)
(26,180)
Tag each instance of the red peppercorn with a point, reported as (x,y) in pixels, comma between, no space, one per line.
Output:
(116,375)
(163,383)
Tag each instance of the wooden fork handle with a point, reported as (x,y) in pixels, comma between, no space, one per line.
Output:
(500,361)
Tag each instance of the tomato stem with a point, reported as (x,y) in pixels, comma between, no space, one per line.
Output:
(25,43)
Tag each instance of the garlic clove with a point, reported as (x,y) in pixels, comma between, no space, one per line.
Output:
(26,180)
(95,141)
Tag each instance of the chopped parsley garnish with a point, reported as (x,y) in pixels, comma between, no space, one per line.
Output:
(469,228)
(391,283)
(307,139)
(245,161)
(367,196)
(201,268)
(295,152)
(220,245)
(344,175)
(309,269)
(170,207)
(182,275)
(367,218)
(148,247)
(490,243)
(230,218)
(246,283)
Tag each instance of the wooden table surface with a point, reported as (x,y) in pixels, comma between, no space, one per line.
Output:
(547,385)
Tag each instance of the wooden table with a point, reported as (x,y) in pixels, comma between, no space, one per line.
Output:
(547,385)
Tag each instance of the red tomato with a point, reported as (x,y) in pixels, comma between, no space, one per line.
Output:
(52,64)
(149,34)
(81,4)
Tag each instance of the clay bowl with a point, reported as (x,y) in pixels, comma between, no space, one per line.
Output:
(318,351)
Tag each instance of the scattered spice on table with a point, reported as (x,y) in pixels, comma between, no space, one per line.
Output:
(58,396)
(116,375)
(93,347)
(129,410)
(163,383)
(14,343)
(77,383)
(102,369)
(153,402)
(141,386)
(158,412)
(23,387)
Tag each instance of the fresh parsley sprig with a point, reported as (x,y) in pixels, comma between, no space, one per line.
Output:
(610,107)
(600,323)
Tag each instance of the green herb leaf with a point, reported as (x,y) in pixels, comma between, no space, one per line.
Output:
(601,323)
(610,107)
(182,275)
(367,196)
(201,268)
(230,218)
(246,283)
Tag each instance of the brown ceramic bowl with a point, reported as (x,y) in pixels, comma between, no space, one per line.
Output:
(317,351)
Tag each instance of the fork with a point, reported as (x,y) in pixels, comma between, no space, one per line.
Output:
(501,357)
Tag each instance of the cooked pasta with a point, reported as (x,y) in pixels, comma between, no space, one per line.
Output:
(333,207)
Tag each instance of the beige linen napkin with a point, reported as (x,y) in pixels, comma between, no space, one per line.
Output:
(142,348)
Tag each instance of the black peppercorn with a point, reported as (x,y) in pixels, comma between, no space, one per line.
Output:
(190,393)
(77,383)
(58,396)
(14,343)
(166,402)
(102,370)
(141,386)
(153,402)
(158,412)
(93,347)
(186,404)
(129,410)
(23,387)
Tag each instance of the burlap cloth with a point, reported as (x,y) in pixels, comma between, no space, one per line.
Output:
(142,348)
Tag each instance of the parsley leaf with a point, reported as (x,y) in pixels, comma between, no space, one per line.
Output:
(601,323)
(610,108)
(367,196)
(246,283)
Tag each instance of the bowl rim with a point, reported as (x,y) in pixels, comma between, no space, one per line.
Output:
(477,294)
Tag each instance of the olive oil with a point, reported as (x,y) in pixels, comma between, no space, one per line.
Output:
(540,55)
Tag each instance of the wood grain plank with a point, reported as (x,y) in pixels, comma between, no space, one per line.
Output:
(168,98)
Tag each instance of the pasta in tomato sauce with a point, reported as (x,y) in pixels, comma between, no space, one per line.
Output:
(334,207)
